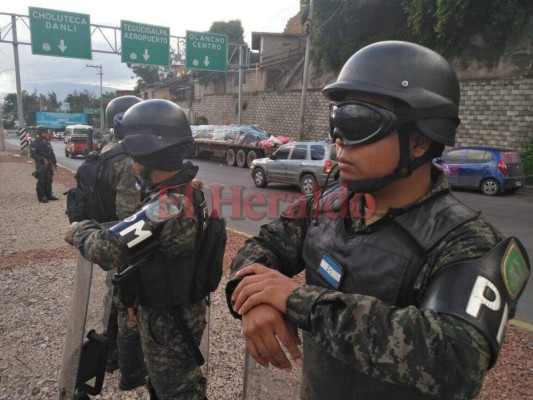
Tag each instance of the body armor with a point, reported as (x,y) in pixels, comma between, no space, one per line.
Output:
(381,262)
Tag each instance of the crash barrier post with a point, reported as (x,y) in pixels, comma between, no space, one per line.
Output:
(24,138)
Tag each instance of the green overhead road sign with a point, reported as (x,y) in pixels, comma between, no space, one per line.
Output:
(145,44)
(60,33)
(206,51)
(92,111)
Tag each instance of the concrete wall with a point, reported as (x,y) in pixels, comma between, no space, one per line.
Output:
(496,112)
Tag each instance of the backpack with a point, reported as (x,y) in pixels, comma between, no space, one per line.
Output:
(208,272)
(212,240)
(93,198)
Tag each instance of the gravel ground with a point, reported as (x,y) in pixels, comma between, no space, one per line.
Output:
(36,277)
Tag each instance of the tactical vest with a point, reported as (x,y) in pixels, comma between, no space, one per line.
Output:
(382,262)
(164,281)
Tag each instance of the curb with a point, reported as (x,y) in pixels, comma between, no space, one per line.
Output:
(522,324)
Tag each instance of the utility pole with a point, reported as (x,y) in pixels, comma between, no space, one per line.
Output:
(306,71)
(2,135)
(20,110)
(241,62)
(101,98)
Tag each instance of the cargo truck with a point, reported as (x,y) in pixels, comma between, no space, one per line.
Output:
(238,145)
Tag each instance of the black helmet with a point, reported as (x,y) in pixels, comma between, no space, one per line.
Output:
(413,76)
(119,105)
(154,125)
(39,129)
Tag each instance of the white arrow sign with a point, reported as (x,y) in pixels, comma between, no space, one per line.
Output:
(206,61)
(146,55)
(62,46)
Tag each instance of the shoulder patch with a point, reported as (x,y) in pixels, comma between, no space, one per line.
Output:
(514,269)
(166,206)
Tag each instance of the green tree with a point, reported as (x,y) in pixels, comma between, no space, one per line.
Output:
(149,74)
(31,103)
(448,26)
(341,27)
(77,101)
(235,32)
(233,29)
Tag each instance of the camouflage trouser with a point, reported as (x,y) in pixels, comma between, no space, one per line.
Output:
(172,370)
(45,177)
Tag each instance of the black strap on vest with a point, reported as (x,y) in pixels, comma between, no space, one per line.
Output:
(408,295)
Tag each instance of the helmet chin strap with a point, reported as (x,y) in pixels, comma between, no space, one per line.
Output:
(405,168)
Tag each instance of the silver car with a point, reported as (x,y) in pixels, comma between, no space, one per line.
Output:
(305,164)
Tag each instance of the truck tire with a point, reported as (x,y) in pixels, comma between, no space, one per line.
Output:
(241,158)
(252,155)
(230,157)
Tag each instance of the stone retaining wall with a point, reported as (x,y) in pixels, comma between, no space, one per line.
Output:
(495,112)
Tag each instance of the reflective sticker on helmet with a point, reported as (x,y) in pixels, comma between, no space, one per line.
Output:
(331,271)
(514,270)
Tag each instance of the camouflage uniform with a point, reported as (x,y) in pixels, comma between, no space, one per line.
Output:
(40,150)
(420,351)
(122,181)
(172,370)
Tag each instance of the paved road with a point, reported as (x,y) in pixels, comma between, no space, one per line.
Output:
(246,207)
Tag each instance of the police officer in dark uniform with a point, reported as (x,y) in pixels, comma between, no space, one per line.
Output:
(171,321)
(407,290)
(45,163)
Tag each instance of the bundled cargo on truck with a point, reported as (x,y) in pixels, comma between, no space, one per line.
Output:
(238,144)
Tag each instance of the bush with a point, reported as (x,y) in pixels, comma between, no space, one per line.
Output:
(201,120)
(527,159)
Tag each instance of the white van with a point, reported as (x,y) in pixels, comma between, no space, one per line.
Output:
(75,130)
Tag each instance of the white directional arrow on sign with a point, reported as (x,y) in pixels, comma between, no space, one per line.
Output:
(62,46)
(146,55)
(206,61)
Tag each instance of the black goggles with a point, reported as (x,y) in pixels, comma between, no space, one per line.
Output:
(355,122)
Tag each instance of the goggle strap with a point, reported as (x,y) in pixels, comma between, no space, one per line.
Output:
(446,111)
(405,156)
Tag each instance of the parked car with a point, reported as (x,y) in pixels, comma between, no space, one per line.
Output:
(59,135)
(76,145)
(491,170)
(305,164)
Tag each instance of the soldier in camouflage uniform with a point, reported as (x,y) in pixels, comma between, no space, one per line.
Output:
(407,290)
(45,163)
(124,349)
(155,135)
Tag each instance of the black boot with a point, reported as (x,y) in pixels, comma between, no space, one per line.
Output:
(52,197)
(151,390)
(43,200)
(130,360)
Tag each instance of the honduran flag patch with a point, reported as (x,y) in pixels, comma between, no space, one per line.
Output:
(331,271)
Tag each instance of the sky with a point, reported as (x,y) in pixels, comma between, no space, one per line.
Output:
(46,73)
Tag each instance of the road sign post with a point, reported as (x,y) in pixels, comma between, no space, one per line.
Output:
(60,33)
(145,44)
(206,51)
